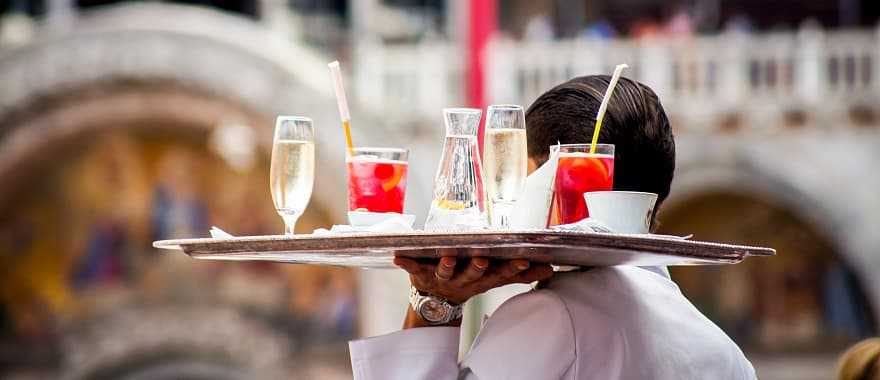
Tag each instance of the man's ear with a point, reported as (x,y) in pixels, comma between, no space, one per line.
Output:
(655,222)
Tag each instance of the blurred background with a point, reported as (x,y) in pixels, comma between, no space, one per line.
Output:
(124,122)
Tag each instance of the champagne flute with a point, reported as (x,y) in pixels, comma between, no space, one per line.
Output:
(505,160)
(292,172)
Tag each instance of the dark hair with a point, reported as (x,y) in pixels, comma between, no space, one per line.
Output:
(635,122)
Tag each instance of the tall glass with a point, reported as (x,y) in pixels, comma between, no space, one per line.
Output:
(292,173)
(579,171)
(459,196)
(377,179)
(505,159)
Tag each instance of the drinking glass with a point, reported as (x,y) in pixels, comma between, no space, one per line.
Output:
(578,171)
(505,160)
(292,172)
(377,179)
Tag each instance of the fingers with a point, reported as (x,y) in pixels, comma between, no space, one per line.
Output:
(538,272)
(445,269)
(513,267)
(421,274)
(412,266)
(475,269)
(475,275)
(506,271)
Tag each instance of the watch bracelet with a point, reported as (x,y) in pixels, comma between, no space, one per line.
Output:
(415,296)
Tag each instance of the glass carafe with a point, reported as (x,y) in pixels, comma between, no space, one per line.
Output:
(459,196)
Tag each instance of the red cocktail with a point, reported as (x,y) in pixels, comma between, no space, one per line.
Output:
(579,171)
(377,179)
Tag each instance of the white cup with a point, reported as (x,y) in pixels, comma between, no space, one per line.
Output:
(626,212)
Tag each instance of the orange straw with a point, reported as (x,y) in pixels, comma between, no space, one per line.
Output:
(336,75)
(618,70)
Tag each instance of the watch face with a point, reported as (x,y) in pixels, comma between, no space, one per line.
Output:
(433,311)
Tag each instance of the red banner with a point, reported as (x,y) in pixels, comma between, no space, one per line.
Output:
(482,23)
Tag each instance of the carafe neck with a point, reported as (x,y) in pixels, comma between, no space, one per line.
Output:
(462,121)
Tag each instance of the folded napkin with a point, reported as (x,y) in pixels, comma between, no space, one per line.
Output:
(596,225)
(533,207)
(585,225)
(389,225)
(217,233)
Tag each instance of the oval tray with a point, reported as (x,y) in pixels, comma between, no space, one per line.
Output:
(554,247)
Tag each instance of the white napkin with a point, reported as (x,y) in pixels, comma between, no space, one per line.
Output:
(533,207)
(217,233)
(390,225)
(596,225)
(584,225)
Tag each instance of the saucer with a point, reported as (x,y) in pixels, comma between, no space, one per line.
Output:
(366,218)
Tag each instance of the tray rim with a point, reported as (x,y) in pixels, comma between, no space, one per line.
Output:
(607,238)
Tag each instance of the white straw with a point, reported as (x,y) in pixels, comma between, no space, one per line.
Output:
(336,75)
(618,70)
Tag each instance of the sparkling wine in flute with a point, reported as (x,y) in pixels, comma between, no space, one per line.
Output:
(505,160)
(292,173)
(291,177)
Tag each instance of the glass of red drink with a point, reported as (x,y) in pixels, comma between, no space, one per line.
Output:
(578,171)
(377,179)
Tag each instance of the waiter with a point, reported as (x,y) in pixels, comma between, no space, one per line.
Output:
(592,323)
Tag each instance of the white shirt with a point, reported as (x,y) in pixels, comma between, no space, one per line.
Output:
(604,323)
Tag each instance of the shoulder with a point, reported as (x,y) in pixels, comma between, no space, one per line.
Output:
(529,334)
(532,309)
(537,298)
(617,284)
(630,312)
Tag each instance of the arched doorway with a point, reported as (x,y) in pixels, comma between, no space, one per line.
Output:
(804,303)
(109,148)
(86,204)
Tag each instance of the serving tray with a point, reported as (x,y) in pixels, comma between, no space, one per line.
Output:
(376,250)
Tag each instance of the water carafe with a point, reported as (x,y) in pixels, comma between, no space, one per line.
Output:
(459,196)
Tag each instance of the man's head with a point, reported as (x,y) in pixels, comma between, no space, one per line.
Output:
(635,122)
